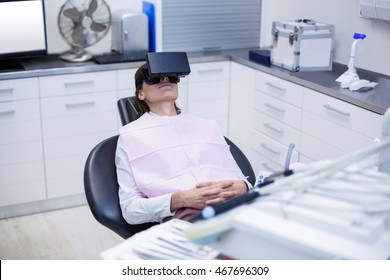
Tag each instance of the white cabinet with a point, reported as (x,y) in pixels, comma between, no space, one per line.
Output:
(331,127)
(125,86)
(276,121)
(267,113)
(21,156)
(182,99)
(242,95)
(125,82)
(208,92)
(265,116)
(78,111)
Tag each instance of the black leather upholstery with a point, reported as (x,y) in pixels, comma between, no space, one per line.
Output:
(242,161)
(127,111)
(101,189)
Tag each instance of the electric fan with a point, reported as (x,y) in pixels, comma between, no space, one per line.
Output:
(82,23)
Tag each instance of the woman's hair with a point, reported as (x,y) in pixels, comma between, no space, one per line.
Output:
(140,105)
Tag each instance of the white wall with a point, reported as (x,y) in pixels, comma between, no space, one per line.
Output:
(372,54)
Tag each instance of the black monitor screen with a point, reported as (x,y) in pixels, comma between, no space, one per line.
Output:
(22,28)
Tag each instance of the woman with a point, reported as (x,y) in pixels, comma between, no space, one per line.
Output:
(169,163)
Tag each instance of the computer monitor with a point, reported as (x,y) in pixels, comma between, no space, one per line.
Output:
(22,29)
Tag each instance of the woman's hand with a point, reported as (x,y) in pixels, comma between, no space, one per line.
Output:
(208,193)
(227,187)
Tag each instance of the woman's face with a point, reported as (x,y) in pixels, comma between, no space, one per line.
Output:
(163,92)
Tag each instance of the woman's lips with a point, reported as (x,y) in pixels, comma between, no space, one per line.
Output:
(165,85)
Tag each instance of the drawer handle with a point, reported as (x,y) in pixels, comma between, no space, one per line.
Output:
(6,90)
(273,107)
(80,104)
(268,167)
(270,149)
(208,71)
(279,89)
(80,83)
(331,108)
(7,112)
(267,125)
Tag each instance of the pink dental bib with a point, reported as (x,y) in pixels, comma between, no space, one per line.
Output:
(169,154)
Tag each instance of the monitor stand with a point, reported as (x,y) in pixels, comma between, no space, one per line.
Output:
(10,65)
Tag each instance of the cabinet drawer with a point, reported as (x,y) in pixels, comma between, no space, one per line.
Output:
(21,152)
(315,149)
(22,193)
(343,113)
(18,89)
(32,171)
(271,149)
(239,110)
(65,176)
(240,91)
(125,78)
(81,104)
(74,126)
(279,88)
(19,111)
(210,71)
(125,93)
(20,132)
(74,145)
(239,133)
(277,130)
(20,121)
(278,109)
(78,115)
(333,134)
(261,163)
(65,160)
(77,83)
(212,109)
(209,109)
(243,74)
(208,90)
(67,186)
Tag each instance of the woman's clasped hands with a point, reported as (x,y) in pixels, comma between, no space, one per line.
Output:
(208,193)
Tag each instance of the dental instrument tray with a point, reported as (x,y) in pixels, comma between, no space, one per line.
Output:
(328,210)
(302,45)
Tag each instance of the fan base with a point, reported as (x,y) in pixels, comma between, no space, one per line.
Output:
(76,57)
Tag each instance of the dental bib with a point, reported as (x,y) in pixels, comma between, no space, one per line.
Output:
(169,154)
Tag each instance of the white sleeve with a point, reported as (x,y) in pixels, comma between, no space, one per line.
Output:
(136,207)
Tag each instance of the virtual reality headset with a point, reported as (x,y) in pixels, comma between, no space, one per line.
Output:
(164,64)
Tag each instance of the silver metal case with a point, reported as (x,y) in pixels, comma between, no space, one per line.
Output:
(302,45)
(129,32)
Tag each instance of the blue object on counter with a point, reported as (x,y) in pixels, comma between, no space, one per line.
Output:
(261,56)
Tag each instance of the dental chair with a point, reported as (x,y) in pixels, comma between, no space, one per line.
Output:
(100,179)
(101,189)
